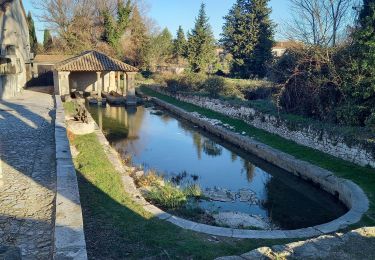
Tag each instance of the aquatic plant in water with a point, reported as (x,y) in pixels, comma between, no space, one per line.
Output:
(168,196)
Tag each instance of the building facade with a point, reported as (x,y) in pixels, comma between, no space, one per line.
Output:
(15,56)
(93,72)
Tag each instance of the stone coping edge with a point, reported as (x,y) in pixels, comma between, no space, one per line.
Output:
(69,237)
(347,191)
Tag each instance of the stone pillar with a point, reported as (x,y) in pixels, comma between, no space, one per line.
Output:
(130,82)
(118,83)
(99,85)
(56,85)
(61,82)
(106,81)
(112,81)
(125,82)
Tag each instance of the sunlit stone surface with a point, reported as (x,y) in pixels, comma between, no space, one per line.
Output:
(27,175)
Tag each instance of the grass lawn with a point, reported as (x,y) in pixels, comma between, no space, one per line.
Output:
(363,176)
(117,228)
(70,108)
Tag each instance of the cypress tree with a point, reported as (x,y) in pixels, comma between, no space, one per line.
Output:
(248,36)
(180,45)
(201,44)
(47,42)
(32,34)
(115,27)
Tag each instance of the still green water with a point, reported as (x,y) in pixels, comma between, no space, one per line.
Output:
(186,154)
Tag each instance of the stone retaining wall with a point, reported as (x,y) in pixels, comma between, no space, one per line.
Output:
(348,192)
(306,135)
(69,233)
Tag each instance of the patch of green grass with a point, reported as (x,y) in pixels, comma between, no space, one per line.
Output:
(363,176)
(70,108)
(117,228)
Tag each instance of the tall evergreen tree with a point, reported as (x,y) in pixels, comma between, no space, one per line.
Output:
(32,34)
(180,45)
(140,41)
(115,28)
(248,35)
(359,72)
(166,44)
(201,44)
(160,49)
(47,42)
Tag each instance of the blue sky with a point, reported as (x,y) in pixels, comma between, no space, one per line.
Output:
(172,13)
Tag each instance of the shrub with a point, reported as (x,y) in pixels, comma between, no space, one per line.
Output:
(192,81)
(147,74)
(262,92)
(214,86)
(188,82)
(284,66)
(351,114)
(162,78)
(167,196)
(232,91)
(313,87)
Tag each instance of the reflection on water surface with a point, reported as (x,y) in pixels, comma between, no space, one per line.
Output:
(181,151)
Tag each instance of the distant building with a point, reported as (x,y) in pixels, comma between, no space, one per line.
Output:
(280,47)
(15,56)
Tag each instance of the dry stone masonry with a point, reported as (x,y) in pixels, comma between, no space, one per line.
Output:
(307,136)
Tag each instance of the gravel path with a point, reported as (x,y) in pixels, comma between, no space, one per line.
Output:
(27,174)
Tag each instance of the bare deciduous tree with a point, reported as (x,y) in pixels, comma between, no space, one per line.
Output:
(320,22)
(77,23)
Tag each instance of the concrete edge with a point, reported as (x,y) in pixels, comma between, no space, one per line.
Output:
(69,237)
(347,191)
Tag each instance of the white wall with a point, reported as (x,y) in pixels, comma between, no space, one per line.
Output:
(83,81)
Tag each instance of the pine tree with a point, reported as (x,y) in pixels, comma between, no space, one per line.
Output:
(115,27)
(180,45)
(48,41)
(32,34)
(201,44)
(359,72)
(364,37)
(248,36)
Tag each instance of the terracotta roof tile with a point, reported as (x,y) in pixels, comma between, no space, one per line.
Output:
(94,61)
(51,58)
